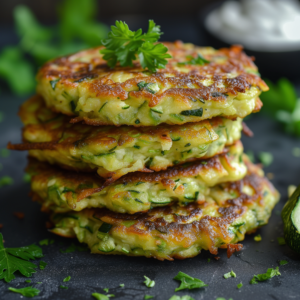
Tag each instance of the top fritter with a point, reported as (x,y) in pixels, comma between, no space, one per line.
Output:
(226,83)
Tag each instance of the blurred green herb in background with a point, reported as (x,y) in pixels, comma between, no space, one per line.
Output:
(77,29)
(282,104)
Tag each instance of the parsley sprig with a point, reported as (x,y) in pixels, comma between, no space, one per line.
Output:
(26,292)
(188,282)
(17,259)
(124,45)
(265,276)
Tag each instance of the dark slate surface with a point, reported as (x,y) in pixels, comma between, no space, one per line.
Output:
(91,273)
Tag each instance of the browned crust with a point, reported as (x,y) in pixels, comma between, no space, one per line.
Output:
(70,71)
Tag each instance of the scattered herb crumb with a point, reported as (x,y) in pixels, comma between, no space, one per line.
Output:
(101,296)
(4,153)
(221,298)
(46,242)
(296,151)
(188,282)
(63,287)
(28,281)
(186,297)
(281,241)
(283,262)
(263,277)
(122,285)
(239,285)
(73,248)
(266,158)
(26,292)
(106,290)
(148,282)
(43,265)
(67,279)
(257,238)
(148,297)
(26,177)
(6,180)
(39,282)
(208,260)
(229,274)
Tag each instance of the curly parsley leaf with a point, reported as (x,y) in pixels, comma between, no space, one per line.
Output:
(287,112)
(199,60)
(26,292)
(67,279)
(188,282)
(124,45)
(263,277)
(148,282)
(17,259)
(229,274)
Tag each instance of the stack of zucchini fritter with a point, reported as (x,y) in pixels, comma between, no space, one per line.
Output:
(147,164)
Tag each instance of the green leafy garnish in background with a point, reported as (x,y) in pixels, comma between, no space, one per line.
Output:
(281,103)
(17,259)
(281,241)
(77,29)
(188,282)
(46,242)
(124,46)
(42,265)
(263,277)
(266,158)
(26,292)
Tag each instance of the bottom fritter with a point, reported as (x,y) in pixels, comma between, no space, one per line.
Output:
(235,208)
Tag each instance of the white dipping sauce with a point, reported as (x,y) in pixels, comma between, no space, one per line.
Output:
(262,25)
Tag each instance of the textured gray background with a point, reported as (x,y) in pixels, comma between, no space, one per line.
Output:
(92,273)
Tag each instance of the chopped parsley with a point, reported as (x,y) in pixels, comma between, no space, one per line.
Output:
(257,238)
(208,260)
(4,153)
(101,296)
(263,277)
(67,279)
(266,158)
(199,60)
(17,259)
(46,242)
(27,177)
(229,274)
(239,285)
(26,292)
(296,151)
(28,281)
(186,297)
(281,241)
(124,46)
(122,285)
(148,282)
(63,287)
(188,282)
(106,290)
(283,262)
(42,265)
(6,180)
(73,248)
(148,297)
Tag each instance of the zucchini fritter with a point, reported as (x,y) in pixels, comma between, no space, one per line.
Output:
(116,151)
(232,210)
(63,191)
(83,86)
